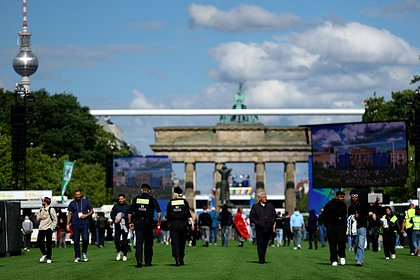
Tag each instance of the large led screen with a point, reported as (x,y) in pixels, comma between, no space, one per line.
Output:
(359,155)
(129,173)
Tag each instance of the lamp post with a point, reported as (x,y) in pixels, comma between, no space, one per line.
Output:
(18,121)
(109,167)
(416,137)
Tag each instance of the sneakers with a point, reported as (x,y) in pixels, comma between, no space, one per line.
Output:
(387,258)
(342,261)
(85,258)
(49,261)
(76,260)
(118,256)
(124,258)
(299,247)
(295,248)
(393,256)
(334,264)
(43,258)
(215,244)
(359,264)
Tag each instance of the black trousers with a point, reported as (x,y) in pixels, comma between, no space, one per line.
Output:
(144,239)
(389,243)
(44,241)
(337,241)
(263,238)
(313,237)
(178,233)
(120,239)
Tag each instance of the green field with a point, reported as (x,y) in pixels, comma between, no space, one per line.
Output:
(213,262)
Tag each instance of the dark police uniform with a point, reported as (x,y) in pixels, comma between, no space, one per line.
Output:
(142,208)
(178,213)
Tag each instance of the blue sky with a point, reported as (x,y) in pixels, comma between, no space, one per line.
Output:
(183,54)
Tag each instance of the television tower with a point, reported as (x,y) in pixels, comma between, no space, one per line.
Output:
(25,62)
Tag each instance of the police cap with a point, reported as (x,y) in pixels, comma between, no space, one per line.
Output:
(145,186)
(177,190)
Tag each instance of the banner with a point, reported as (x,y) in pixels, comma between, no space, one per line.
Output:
(67,171)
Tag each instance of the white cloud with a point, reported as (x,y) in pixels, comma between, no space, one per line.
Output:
(244,18)
(356,43)
(140,102)
(328,66)
(268,60)
(274,94)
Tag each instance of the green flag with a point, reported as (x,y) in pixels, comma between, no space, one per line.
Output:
(67,171)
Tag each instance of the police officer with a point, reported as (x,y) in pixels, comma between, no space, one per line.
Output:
(178,214)
(142,208)
(407,226)
(390,226)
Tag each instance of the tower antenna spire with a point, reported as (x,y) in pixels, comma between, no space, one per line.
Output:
(25,21)
(25,62)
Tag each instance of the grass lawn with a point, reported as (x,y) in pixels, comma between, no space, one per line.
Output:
(213,262)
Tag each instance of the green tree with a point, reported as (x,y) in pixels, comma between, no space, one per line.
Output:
(42,171)
(7,98)
(62,127)
(58,129)
(5,156)
(90,178)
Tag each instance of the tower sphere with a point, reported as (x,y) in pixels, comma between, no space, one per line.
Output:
(25,63)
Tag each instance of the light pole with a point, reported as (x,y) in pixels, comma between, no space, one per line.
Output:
(109,167)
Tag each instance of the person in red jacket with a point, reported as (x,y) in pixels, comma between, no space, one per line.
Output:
(240,226)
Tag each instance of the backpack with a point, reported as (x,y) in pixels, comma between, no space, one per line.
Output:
(102,222)
(51,217)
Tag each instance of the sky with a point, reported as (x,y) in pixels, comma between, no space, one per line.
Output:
(134,54)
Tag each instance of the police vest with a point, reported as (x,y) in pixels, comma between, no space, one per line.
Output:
(392,220)
(416,222)
(408,215)
(144,207)
(177,209)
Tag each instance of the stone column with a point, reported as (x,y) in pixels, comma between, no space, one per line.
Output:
(217,183)
(190,183)
(289,190)
(259,178)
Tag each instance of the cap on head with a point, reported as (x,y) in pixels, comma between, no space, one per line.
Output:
(178,190)
(145,186)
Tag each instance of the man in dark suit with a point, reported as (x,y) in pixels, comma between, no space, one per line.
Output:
(263,216)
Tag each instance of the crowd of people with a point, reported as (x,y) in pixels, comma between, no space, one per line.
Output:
(362,225)
(355,228)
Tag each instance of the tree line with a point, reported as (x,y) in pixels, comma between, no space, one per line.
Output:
(58,128)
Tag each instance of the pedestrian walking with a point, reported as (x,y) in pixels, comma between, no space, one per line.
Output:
(179,217)
(142,208)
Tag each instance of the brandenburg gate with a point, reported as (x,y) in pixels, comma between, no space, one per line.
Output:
(235,143)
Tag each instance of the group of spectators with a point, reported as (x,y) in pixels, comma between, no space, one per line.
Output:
(362,224)
(359,226)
